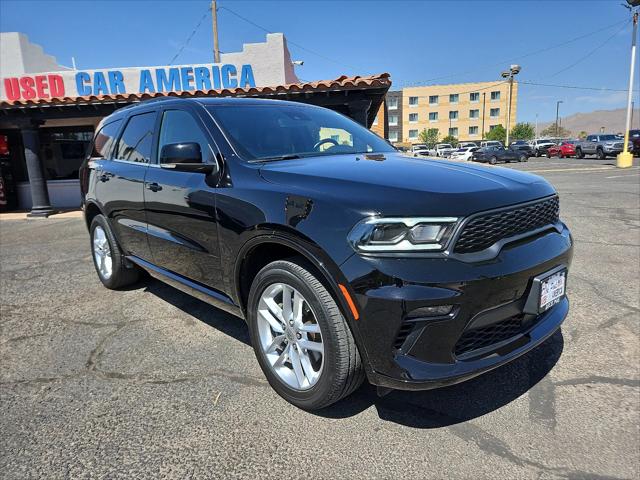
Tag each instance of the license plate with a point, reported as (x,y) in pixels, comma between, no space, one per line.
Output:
(552,289)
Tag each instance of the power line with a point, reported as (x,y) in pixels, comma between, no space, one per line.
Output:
(527,55)
(602,89)
(193,32)
(591,52)
(288,40)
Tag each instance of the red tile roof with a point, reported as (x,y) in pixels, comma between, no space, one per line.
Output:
(342,83)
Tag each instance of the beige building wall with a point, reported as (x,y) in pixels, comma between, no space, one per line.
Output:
(417,105)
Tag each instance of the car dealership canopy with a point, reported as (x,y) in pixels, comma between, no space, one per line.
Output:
(47,117)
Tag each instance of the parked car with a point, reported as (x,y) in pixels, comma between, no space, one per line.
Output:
(539,146)
(494,155)
(603,145)
(565,149)
(491,143)
(634,138)
(441,150)
(347,259)
(463,153)
(467,144)
(420,150)
(522,146)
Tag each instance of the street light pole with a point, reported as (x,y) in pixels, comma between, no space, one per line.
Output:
(513,70)
(625,159)
(484,100)
(557,116)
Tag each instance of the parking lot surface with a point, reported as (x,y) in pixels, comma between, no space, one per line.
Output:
(150,383)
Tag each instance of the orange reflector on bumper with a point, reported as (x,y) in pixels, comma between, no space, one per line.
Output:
(350,301)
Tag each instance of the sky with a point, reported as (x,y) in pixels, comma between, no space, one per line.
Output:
(578,43)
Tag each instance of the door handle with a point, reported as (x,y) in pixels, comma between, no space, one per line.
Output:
(154,187)
(105,176)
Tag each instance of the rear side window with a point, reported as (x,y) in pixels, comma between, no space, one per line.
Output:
(103,140)
(179,126)
(136,140)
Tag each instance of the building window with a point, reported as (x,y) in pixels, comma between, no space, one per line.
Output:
(392,103)
(433,99)
(494,112)
(473,130)
(433,116)
(393,136)
(474,113)
(413,134)
(453,98)
(453,131)
(375,121)
(413,117)
(453,115)
(495,96)
(63,149)
(491,127)
(413,101)
(474,97)
(393,120)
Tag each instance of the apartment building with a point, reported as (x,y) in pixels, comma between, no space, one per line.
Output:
(464,110)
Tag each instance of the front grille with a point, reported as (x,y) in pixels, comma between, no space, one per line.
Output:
(485,230)
(476,338)
(618,145)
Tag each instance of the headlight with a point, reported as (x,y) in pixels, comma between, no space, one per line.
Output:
(397,234)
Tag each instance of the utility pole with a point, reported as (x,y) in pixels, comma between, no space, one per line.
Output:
(625,159)
(214,19)
(484,100)
(557,112)
(536,136)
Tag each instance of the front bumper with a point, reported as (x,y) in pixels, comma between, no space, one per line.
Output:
(428,352)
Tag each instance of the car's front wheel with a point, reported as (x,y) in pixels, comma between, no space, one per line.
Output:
(600,154)
(493,160)
(112,268)
(301,339)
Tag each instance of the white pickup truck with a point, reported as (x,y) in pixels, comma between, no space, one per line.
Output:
(442,150)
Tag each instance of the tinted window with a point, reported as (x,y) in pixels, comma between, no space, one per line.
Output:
(276,130)
(104,139)
(135,142)
(179,126)
(608,138)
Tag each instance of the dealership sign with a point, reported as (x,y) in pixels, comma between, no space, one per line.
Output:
(75,83)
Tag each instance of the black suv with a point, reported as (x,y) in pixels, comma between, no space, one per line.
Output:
(347,259)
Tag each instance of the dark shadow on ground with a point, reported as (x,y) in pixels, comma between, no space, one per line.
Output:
(214,317)
(458,403)
(427,409)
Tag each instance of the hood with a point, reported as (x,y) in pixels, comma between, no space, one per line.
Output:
(402,185)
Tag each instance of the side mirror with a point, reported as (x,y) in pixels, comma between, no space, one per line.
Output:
(184,157)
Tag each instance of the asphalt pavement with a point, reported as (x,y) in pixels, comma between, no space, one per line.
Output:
(148,382)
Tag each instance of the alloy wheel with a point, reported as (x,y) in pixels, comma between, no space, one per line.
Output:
(290,336)
(102,253)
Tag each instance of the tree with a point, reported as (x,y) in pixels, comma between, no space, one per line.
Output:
(450,139)
(582,134)
(429,137)
(522,131)
(496,133)
(550,131)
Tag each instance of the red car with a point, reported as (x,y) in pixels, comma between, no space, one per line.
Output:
(565,149)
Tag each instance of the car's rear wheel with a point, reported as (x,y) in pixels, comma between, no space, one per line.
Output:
(493,160)
(112,268)
(523,158)
(301,339)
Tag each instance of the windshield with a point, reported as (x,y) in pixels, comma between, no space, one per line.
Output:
(273,132)
(445,145)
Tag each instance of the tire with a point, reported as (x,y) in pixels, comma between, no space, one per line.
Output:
(493,160)
(105,250)
(340,372)
(560,155)
(600,154)
(538,153)
(523,158)
(579,153)
(548,154)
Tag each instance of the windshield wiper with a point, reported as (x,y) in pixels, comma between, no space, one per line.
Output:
(289,156)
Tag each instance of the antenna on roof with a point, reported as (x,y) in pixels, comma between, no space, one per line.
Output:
(73,63)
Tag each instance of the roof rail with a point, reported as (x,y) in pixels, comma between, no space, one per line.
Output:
(155,99)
